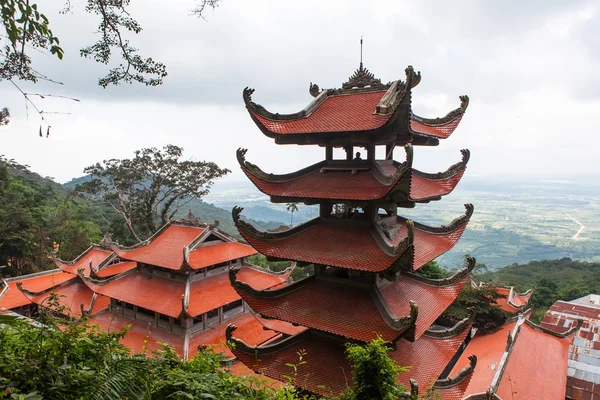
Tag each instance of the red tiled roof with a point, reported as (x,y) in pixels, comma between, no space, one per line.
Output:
(327,242)
(143,337)
(432,300)
(115,269)
(328,372)
(165,295)
(423,188)
(536,357)
(14,298)
(165,250)
(489,349)
(93,255)
(211,254)
(317,305)
(71,296)
(341,113)
(456,392)
(442,131)
(216,291)
(330,185)
(149,291)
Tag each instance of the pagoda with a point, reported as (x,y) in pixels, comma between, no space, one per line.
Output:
(366,256)
(172,288)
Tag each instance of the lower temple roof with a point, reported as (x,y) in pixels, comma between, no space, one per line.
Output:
(93,256)
(510,359)
(168,297)
(327,371)
(408,305)
(327,241)
(11,297)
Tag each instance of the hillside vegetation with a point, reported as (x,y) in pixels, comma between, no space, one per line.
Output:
(554,280)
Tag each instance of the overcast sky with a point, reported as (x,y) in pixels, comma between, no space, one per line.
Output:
(530,69)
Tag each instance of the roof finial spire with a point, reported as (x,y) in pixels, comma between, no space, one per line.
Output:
(361,44)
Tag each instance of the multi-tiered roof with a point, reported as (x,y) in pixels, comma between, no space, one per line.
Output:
(171,288)
(366,256)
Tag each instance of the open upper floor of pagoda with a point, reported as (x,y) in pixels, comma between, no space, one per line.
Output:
(355,240)
(357,180)
(364,111)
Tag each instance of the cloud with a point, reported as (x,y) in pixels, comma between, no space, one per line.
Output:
(529,68)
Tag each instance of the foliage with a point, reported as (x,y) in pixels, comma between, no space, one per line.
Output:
(300,272)
(432,270)
(38,217)
(374,372)
(151,187)
(482,302)
(24,25)
(292,208)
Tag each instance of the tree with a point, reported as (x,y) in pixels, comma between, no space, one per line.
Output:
(482,302)
(151,187)
(26,27)
(292,207)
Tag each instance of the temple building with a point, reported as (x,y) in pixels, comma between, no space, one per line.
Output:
(583,374)
(366,257)
(512,302)
(171,288)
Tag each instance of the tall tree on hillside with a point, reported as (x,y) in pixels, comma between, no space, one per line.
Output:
(292,207)
(151,187)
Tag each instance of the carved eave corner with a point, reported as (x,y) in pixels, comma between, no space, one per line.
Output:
(263,112)
(574,329)
(103,281)
(450,332)
(448,118)
(453,170)
(239,345)
(457,277)
(464,373)
(62,263)
(245,289)
(383,240)
(456,224)
(397,91)
(246,228)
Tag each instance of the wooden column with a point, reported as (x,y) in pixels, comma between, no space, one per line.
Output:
(324,210)
(349,155)
(371,152)
(328,153)
(389,151)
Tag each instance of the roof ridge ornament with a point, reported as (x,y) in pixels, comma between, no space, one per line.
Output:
(190,219)
(362,78)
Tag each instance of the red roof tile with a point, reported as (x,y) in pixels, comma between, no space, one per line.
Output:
(141,337)
(165,250)
(317,304)
(329,185)
(432,300)
(216,291)
(149,291)
(422,188)
(211,254)
(536,357)
(341,113)
(442,131)
(94,255)
(328,372)
(327,242)
(71,296)
(14,298)
(456,392)
(489,350)
(115,269)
